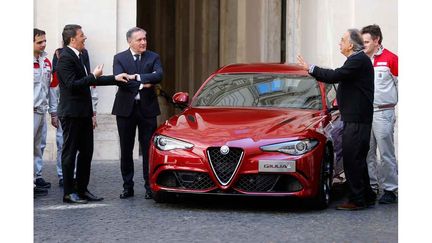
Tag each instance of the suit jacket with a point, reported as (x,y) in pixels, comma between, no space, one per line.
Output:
(74,83)
(150,70)
(355,93)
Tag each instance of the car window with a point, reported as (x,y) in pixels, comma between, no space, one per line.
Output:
(260,90)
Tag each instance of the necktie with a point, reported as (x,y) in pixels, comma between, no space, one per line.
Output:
(81,59)
(137,57)
(82,62)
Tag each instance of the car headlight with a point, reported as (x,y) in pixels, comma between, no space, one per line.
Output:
(298,147)
(166,143)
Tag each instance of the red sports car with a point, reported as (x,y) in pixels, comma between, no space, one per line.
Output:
(251,129)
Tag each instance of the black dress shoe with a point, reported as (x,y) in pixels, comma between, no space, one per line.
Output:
(74,198)
(90,197)
(388,197)
(148,195)
(39,191)
(41,183)
(127,193)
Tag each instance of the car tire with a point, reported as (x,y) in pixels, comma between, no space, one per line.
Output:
(164,197)
(323,198)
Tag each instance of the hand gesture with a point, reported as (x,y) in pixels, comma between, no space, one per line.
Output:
(302,63)
(97,72)
(123,77)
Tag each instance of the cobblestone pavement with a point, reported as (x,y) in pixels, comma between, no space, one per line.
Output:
(220,219)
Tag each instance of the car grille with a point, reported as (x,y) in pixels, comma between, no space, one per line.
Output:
(195,180)
(268,183)
(257,183)
(185,180)
(224,166)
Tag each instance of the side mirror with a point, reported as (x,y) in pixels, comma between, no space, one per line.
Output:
(181,98)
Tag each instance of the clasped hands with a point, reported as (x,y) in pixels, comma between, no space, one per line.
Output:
(122,77)
(146,85)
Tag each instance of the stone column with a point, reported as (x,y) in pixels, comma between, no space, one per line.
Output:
(196,43)
(293,30)
(250,31)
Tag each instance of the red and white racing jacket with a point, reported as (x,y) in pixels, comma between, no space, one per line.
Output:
(386,72)
(42,100)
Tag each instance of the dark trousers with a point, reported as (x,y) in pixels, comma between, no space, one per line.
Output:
(127,128)
(355,147)
(77,137)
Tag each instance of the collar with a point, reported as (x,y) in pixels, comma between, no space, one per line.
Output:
(74,50)
(355,53)
(380,51)
(41,57)
(134,53)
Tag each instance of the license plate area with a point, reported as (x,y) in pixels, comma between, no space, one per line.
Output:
(276,166)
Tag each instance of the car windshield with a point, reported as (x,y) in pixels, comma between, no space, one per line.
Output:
(260,90)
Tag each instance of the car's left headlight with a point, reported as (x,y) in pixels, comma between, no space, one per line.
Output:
(297,147)
(166,143)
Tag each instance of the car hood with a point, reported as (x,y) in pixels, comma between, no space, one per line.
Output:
(218,126)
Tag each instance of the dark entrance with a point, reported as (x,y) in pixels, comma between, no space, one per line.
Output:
(186,36)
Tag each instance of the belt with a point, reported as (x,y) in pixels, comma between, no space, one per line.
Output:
(137,101)
(386,106)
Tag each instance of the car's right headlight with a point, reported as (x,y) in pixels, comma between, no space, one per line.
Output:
(166,143)
(297,147)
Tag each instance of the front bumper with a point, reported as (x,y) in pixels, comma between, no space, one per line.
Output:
(189,171)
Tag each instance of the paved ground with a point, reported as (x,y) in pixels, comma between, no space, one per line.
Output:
(198,219)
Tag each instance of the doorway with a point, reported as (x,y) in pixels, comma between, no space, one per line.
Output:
(186,36)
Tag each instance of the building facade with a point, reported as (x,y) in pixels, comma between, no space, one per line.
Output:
(195,37)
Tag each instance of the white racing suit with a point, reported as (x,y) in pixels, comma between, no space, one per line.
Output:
(383,170)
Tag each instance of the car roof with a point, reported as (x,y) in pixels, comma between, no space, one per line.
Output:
(289,68)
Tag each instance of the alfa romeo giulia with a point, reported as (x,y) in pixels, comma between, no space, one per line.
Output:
(251,129)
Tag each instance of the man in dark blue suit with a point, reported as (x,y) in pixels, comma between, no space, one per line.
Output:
(136,105)
(75,112)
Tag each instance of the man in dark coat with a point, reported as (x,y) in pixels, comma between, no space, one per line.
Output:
(355,96)
(136,105)
(75,112)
